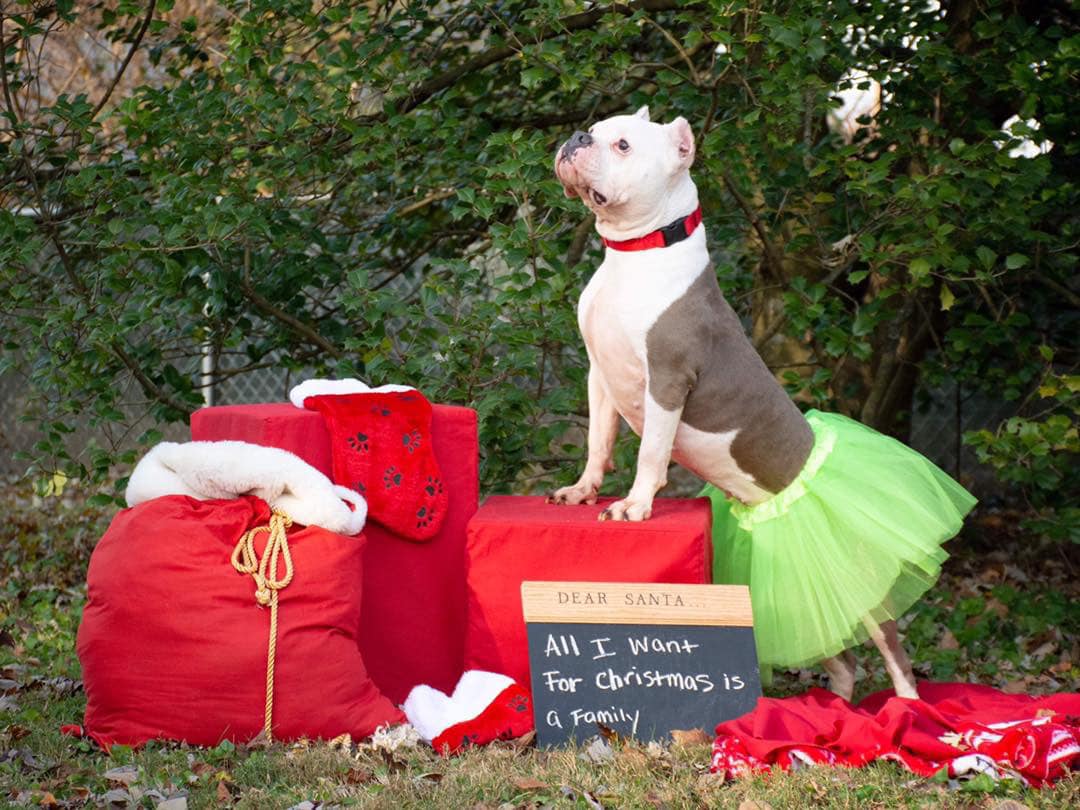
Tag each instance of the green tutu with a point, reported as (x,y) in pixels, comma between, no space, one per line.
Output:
(856,535)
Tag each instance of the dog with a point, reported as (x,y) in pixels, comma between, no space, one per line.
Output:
(669,355)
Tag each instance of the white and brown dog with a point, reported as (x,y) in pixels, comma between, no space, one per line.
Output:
(666,351)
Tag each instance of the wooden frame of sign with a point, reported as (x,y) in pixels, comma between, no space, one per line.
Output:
(639,659)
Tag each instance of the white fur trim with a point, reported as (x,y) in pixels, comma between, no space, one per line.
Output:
(432,711)
(350,385)
(209,470)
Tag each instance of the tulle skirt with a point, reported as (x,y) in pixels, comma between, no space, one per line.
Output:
(856,537)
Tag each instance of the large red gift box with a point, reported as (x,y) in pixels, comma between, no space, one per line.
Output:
(513,539)
(413,612)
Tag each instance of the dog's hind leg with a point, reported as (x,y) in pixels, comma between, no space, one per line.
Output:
(841,671)
(897,663)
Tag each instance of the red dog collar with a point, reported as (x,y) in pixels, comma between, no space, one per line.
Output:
(664,237)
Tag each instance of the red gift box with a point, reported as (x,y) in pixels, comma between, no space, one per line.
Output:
(413,613)
(513,539)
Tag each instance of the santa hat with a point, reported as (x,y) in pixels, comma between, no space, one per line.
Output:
(213,470)
(485,707)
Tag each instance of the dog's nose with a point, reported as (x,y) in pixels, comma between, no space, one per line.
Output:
(578,140)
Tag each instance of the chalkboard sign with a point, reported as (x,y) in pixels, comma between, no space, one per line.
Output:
(640,659)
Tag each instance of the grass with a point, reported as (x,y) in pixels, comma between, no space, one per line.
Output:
(1006,613)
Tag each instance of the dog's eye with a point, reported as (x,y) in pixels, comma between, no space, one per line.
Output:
(623,145)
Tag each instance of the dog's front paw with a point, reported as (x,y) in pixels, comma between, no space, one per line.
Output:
(577,494)
(627,509)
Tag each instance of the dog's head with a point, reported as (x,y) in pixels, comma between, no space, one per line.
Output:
(625,168)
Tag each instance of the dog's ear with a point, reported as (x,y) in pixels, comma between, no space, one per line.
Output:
(683,139)
(642,113)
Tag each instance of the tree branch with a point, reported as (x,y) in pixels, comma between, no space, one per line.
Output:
(772,258)
(574,22)
(291,321)
(127,59)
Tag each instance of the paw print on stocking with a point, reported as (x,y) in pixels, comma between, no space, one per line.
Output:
(433,487)
(359,442)
(424,516)
(392,477)
(519,703)
(411,441)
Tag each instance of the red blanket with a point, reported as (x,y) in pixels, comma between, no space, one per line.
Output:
(965,728)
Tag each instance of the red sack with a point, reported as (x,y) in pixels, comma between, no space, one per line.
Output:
(174,646)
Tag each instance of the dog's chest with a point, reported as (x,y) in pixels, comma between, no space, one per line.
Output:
(622,301)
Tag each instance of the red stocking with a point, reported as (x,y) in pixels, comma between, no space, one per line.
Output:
(381,447)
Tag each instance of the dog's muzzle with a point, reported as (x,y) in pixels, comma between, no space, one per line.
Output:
(577,141)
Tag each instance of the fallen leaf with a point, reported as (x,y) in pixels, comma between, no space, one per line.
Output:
(523,742)
(1064,665)
(998,608)
(359,776)
(1045,713)
(754,804)
(343,742)
(124,775)
(201,768)
(634,758)
(609,734)
(117,796)
(48,800)
(597,752)
(260,741)
(1017,687)
(1017,574)
(1007,804)
(528,783)
(430,776)
(17,732)
(1043,650)
(224,796)
(393,764)
(693,736)
(173,803)
(304,806)
(948,641)
(655,750)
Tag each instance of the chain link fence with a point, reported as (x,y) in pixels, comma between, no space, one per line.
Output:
(937,424)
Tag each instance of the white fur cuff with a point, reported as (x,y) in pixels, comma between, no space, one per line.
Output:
(432,711)
(318,387)
(210,470)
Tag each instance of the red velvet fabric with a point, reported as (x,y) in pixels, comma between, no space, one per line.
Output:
(967,728)
(507,717)
(173,645)
(413,620)
(381,447)
(513,539)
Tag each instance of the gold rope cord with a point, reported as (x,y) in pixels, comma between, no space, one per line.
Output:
(267,584)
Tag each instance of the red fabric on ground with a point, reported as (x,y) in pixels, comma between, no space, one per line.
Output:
(173,645)
(965,727)
(380,442)
(513,539)
(413,616)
